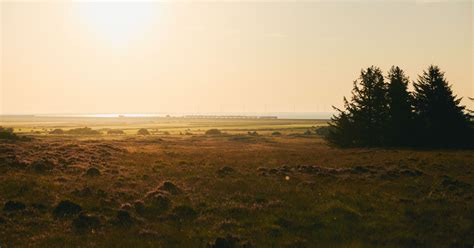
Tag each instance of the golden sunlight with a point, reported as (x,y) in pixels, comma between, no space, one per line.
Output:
(236,123)
(117,23)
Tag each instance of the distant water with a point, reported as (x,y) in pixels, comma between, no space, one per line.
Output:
(279,115)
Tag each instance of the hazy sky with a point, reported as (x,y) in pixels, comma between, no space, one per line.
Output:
(205,57)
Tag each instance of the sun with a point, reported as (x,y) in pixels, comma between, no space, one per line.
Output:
(117,23)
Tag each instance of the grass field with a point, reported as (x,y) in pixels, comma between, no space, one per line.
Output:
(235,189)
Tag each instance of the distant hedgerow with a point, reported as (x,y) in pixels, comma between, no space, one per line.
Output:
(115,132)
(83,131)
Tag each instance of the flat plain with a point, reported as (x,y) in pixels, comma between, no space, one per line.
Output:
(260,183)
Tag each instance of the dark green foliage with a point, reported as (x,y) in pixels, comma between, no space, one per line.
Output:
(213,131)
(323,131)
(7,133)
(115,132)
(183,213)
(124,218)
(363,122)
(13,206)
(440,120)
(369,107)
(229,242)
(143,131)
(92,172)
(170,188)
(400,124)
(386,114)
(66,208)
(57,131)
(85,223)
(83,131)
(470,111)
(342,131)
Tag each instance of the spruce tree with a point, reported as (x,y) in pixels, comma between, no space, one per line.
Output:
(399,116)
(363,121)
(369,107)
(342,129)
(471,112)
(441,120)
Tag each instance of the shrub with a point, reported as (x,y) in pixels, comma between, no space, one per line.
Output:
(213,131)
(57,131)
(115,132)
(324,131)
(66,208)
(83,131)
(7,133)
(276,133)
(143,131)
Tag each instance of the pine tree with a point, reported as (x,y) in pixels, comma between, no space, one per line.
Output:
(471,112)
(399,108)
(365,117)
(369,107)
(342,129)
(441,120)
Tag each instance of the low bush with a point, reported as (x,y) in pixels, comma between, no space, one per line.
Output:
(143,131)
(213,131)
(57,131)
(7,133)
(115,132)
(83,131)
(324,131)
(254,133)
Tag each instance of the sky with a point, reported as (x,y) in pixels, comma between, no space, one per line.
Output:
(60,57)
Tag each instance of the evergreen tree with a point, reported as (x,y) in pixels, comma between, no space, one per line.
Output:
(369,107)
(342,129)
(470,110)
(441,121)
(399,108)
(365,117)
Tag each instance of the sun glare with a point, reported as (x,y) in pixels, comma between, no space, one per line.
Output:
(117,23)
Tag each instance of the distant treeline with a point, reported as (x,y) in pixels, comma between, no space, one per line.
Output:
(382,112)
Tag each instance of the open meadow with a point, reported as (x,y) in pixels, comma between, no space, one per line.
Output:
(237,124)
(259,183)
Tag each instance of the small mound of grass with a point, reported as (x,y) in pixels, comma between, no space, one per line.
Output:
(143,131)
(57,131)
(115,132)
(252,133)
(83,131)
(213,131)
(66,208)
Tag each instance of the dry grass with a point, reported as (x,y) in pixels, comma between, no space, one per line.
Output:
(264,190)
